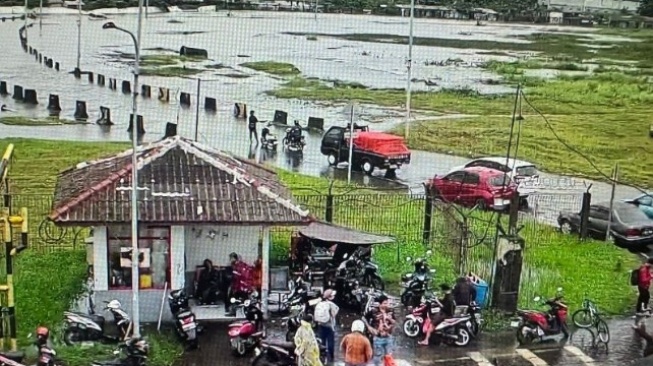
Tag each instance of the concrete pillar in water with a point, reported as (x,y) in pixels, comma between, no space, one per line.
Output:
(80,111)
(30,96)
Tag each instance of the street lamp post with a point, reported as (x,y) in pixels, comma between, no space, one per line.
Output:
(409,75)
(134,191)
(79,37)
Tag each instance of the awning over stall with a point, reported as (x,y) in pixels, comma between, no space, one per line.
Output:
(337,234)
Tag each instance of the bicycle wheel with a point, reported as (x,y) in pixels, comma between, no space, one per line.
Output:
(582,318)
(603,331)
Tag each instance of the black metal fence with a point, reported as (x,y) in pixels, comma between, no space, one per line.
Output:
(466,238)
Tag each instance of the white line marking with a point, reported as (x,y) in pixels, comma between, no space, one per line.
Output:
(531,357)
(479,359)
(580,354)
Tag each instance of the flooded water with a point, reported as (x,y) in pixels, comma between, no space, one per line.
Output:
(491,349)
(258,36)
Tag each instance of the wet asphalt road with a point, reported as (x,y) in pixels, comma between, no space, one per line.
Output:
(500,349)
(257,31)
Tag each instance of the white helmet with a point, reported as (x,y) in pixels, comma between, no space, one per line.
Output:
(114,304)
(358,326)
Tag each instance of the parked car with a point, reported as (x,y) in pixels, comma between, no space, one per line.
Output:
(482,187)
(523,173)
(629,227)
(371,150)
(644,202)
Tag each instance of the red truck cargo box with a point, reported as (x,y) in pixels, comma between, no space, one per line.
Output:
(381,143)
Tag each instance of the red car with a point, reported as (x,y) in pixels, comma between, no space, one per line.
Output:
(482,187)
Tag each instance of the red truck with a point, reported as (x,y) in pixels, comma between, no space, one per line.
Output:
(371,150)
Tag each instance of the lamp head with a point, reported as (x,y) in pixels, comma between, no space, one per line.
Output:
(109,25)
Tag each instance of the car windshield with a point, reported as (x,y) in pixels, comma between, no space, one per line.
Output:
(631,215)
(499,181)
(527,170)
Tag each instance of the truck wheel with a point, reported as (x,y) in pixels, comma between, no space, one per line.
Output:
(332,159)
(367,167)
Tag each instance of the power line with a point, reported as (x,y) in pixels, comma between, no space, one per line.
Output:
(576,151)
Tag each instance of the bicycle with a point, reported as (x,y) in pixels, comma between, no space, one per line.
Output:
(588,316)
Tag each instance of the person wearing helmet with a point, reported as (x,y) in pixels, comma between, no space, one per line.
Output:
(356,346)
(42,336)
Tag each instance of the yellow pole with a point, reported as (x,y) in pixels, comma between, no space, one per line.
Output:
(9,246)
(5,161)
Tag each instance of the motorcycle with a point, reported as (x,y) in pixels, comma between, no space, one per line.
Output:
(244,336)
(268,140)
(476,320)
(370,276)
(454,331)
(280,354)
(47,357)
(185,323)
(82,327)
(413,324)
(135,349)
(417,283)
(293,141)
(348,293)
(535,325)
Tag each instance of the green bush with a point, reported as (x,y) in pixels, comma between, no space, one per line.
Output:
(46,284)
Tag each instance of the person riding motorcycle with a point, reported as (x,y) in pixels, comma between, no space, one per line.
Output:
(242,280)
(208,283)
(447,311)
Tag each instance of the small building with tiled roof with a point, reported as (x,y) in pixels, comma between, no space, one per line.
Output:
(194,203)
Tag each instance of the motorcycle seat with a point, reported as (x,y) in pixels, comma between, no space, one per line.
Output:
(99,319)
(184,314)
(289,346)
(14,356)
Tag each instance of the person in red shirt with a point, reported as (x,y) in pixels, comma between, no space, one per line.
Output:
(643,286)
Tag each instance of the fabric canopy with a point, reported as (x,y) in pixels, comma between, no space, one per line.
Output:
(338,234)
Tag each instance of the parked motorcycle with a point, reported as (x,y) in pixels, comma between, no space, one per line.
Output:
(476,320)
(413,325)
(268,140)
(417,283)
(348,293)
(535,325)
(454,331)
(185,323)
(280,354)
(245,335)
(46,356)
(136,351)
(80,327)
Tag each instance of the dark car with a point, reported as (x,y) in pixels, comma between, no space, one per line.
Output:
(484,188)
(629,227)
(371,150)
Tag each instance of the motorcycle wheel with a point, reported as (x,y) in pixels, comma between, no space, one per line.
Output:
(475,328)
(411,328)
(377,283)
(463,337)
(524,335)
(71,337)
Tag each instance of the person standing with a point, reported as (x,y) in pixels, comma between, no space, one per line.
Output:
(325,317)
(380,323)
(643,285)
(252,127)
(306,347)
(356,347)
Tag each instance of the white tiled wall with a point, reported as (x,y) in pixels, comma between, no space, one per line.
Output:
(217,242)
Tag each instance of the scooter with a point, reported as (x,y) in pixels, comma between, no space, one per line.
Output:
(416,284)
(185,323)
(413,325)
(268,140)
(135,349)
(244,336)
(454,331)
(293,143)
(82,327)
(534,325)
(280,354)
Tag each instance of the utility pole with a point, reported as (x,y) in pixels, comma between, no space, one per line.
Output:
(409,75)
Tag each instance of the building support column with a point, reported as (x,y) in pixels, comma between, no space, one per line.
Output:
(265,281)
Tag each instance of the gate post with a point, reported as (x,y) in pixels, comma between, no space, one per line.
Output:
(329,204)
(507,272)
(428,214)
(585,215)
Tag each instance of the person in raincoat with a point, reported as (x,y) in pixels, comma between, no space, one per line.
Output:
(306,346)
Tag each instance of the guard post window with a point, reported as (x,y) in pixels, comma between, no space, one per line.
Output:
(154,256)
